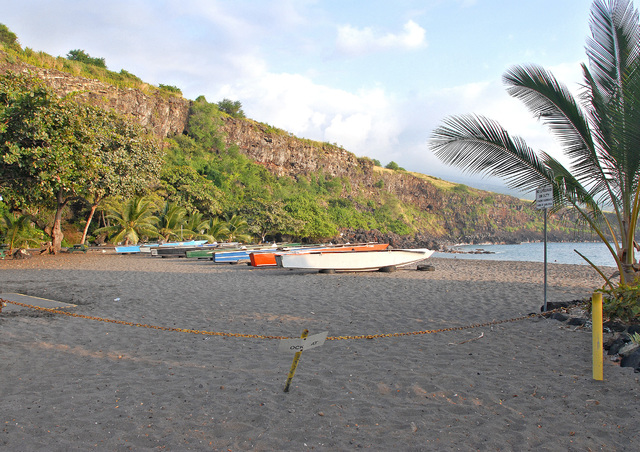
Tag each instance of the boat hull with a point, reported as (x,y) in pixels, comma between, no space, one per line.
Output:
(268,259)
(352,260)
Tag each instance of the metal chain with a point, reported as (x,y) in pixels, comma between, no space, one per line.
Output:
(260,336)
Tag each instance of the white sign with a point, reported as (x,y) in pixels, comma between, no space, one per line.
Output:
(544,197)
(298,344)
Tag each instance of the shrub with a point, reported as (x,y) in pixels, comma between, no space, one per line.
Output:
(622,302)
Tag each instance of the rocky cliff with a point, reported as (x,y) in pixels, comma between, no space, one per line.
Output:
(162,114)
(456,213)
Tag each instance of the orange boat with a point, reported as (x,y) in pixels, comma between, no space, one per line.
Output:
(269,259)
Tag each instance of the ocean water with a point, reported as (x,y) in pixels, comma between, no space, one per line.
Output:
(559,253)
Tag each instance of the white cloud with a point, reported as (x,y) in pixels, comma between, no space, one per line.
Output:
(362,122)
(353,41)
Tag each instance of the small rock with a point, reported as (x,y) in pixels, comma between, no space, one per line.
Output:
(577,321)
(633,329)
(614,326)
(632,360)
(614,346)
(628,349)
(558,316)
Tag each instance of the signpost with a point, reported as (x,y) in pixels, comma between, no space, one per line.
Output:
(544,200)
(305,342)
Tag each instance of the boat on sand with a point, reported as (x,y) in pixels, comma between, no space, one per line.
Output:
(268,259)
(326,261)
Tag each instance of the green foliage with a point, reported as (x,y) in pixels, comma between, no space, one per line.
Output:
(232,108)
(376,162)
(84,57)
(622,302)
(131,221)
(238,229)
(171,222)
(8,39)
(57,150)
(18,231)
(392,166)
(170,88)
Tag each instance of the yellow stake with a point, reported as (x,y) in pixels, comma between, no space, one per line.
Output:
(294,365)
(596,326)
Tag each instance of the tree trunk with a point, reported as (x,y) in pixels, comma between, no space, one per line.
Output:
(86,226)
(56,230)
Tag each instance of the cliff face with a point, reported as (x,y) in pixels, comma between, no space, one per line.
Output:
(163,115)
(457,213)
(460,213)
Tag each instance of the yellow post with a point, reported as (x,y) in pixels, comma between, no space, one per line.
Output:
(596,326)
(294,365)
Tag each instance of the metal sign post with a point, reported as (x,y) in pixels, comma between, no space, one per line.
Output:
(544,200)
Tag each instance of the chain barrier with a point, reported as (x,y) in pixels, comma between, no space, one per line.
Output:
(260,336)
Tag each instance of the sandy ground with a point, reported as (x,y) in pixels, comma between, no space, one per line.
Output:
(75,384)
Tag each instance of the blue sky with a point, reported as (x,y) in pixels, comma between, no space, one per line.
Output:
(373,76)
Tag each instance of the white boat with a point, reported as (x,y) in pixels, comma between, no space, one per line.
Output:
(352,260)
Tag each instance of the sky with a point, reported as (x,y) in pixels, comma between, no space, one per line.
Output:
(376,77)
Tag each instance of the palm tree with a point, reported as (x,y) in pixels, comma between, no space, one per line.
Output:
(599,134)
(171,221)
(238,229)
(130,221)
(217,230)
(18,231)
(195,227)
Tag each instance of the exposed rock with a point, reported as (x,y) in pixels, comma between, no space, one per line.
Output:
(614,326)
(21,254)
(164,115)
(632,360)
(628,349)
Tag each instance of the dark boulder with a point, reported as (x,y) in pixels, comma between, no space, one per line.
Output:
(632,360)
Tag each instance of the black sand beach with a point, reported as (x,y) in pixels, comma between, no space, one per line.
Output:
(76,384)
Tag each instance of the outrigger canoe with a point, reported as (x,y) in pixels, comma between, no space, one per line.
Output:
(352,260)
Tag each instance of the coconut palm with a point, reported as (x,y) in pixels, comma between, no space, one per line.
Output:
(217,230)
(171,221)
(130,221)
(195,227)
(599,134)
(18,231)
(238,229)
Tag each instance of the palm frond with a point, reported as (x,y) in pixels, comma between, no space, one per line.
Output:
(614,42)
(552,103)
(480,145)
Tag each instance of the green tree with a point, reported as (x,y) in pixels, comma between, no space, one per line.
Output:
(18,231)
(8,39)
(195,227)
(171,222)
(47,147)
(238,229)
(128,160)
(84,57)
(232,108)
(131,221)
(217,230)
(599,134)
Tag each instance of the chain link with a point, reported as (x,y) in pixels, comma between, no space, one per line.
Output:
(260,336)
